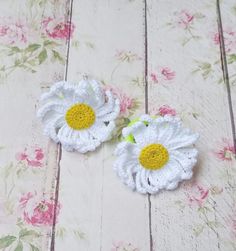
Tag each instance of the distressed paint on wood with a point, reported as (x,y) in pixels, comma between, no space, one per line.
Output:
(195,216)
(97,209)
(28,159)
(174,49)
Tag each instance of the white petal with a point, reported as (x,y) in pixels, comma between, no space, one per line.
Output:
(186,162)
(92,92)
(172,185)
(139,185)
(79,140)
(145,178)
(109,106)
(125,170)
(184,139)
(60,92)
(52,127)
(145,135)
(146,118)
(110,115)
(127,148)
(101,131)
(56,88)
(130,129)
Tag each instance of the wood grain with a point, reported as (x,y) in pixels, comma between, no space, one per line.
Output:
(20,129)
(166,57)
(95,204)
(177,40)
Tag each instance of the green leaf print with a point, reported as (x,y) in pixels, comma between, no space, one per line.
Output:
(28,235)
(57,56)
(33,248)
(231,58)
(6,241)
(42,56)
(19,247)
(32,47)
(50,44)
(14,50)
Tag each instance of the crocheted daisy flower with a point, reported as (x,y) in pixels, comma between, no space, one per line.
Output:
(80,116)
(156,154)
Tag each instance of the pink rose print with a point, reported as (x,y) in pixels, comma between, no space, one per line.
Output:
(58,29)
(166,110)
(126,103)
(37,211)
(122,246)
(227,151)
(164,74)
(163,110)
(34,159)
(197,195)
(229,39)
(12,32)
(167,73)
(154,78)
(185,19)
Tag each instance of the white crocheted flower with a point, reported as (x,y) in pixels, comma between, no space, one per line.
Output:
(80,116)
(156,154)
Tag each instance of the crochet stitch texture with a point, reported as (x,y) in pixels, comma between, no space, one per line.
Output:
(156,154)
(79,116)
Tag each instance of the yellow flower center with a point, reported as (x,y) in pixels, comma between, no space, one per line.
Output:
(80,116)
(153,156)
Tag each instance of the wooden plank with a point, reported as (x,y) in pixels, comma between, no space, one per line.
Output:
(226,38)
(184,71)
(227,41)
(28,159)
(98,212)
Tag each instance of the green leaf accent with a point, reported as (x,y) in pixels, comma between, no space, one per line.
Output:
(19,247)
(79,234)
(61,231)
(57,56)
(28,235)
(3,68)
(234,10)
(33,62)
(231,58)
(50,44)
(6,241)
(14,50)
(198,229)
(27,68)
(42,56)
(17,62)
(32,47)
(33,248)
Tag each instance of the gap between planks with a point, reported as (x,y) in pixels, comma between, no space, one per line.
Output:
(147,111)
(59,147)
(229,96)
(224,66)
(69,15)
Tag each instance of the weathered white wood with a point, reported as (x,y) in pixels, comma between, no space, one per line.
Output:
(98,212)
(20,130)
(228,18)
(180,37)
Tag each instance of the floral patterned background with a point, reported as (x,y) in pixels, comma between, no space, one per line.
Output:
(45,41)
